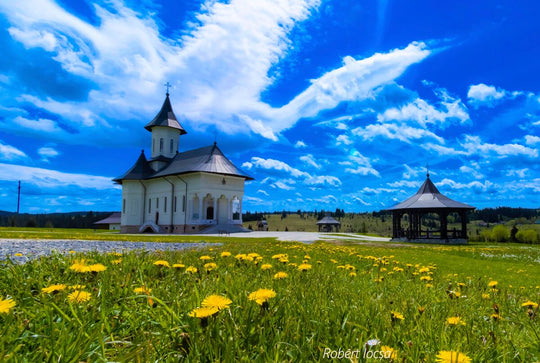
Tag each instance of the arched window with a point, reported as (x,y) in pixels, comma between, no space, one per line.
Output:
(161,145)
(153,145)
(171,146)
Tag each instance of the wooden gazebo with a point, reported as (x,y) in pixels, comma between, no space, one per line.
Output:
(428,199)
(327,224)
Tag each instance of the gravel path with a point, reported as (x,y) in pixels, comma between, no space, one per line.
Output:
(21,250)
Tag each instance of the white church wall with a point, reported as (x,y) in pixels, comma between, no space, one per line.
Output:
(132,193)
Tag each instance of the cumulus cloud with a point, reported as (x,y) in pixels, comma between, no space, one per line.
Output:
(343,139)
(482,94)
(11,153)
(300,144)
(309,160)
(360,165)
(520,173)
(392,131)
(532,140)
(424,113)
(474,146)
(47,152)
(260,191)
(45,178)
(323,179)
(272,164)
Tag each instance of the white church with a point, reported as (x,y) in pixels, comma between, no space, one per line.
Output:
(188,192)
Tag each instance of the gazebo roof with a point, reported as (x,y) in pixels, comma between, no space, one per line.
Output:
(429,197)
(328,220)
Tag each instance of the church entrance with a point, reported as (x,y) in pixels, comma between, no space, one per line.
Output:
(210,213)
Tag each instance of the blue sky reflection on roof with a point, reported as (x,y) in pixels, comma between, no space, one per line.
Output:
(325,103)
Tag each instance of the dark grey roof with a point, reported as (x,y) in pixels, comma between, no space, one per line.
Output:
(429,197)
(207,159)
(328,220)
(112,219)
(140,170)
(166,118)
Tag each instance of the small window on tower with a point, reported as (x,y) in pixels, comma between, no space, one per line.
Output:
(153,145)
(161,145)
(165,205)
(149,205)
(124,206)
(157,203)
(172,146)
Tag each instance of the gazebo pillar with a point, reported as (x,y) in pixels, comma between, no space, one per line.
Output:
(443,216)
(463,217)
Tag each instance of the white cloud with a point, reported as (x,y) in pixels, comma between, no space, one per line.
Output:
(343,139)
(410,172)
(272,164)
(34,38)
(41,124)
(47,153)
(392,131)
(532,140)
(45,178)
(483,94)
(467,170)
(424,113)
(300,144)
(282,185)
(517,172)
(474,146)
(263,192)
(474,184)
(323,179)
(309,160)
(10,153)
(404,183)
(361,165)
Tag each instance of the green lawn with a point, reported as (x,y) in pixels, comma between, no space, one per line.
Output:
(415,300)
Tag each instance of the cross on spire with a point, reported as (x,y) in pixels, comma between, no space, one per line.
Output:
(167,85)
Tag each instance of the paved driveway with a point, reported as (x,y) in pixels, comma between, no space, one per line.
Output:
(306,237)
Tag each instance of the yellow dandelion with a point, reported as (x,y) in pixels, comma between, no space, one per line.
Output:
(178,265)
(428,285)
(142,290)
(203,313)
(493,284)
(191,270)
(352,274)
(396,316)
(225,254)
(304,267)
(77,287)
(117,261)
(423,270)
(379,279)
(486,296)
(98,267)
(455,320)
(266,266)
(210,266)
(281,275)
(389,352)
(262,296)
(162,263)
(53,288)
(18,254)
(426,278)
(449,356)
(6,305)
(496,317)
(79,266)
(216,301)
(205,258)
(79,296)
(530,304)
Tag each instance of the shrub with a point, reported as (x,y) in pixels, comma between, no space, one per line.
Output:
(500,233)
(527,236)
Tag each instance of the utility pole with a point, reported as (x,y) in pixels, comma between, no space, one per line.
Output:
(19,198)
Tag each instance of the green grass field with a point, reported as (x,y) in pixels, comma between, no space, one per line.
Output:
(415,302)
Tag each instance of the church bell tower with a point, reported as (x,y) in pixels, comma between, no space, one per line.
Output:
(166,131)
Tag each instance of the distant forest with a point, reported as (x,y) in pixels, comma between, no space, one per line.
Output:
(87,219)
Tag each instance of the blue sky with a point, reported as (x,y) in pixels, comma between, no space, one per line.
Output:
(327,104)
